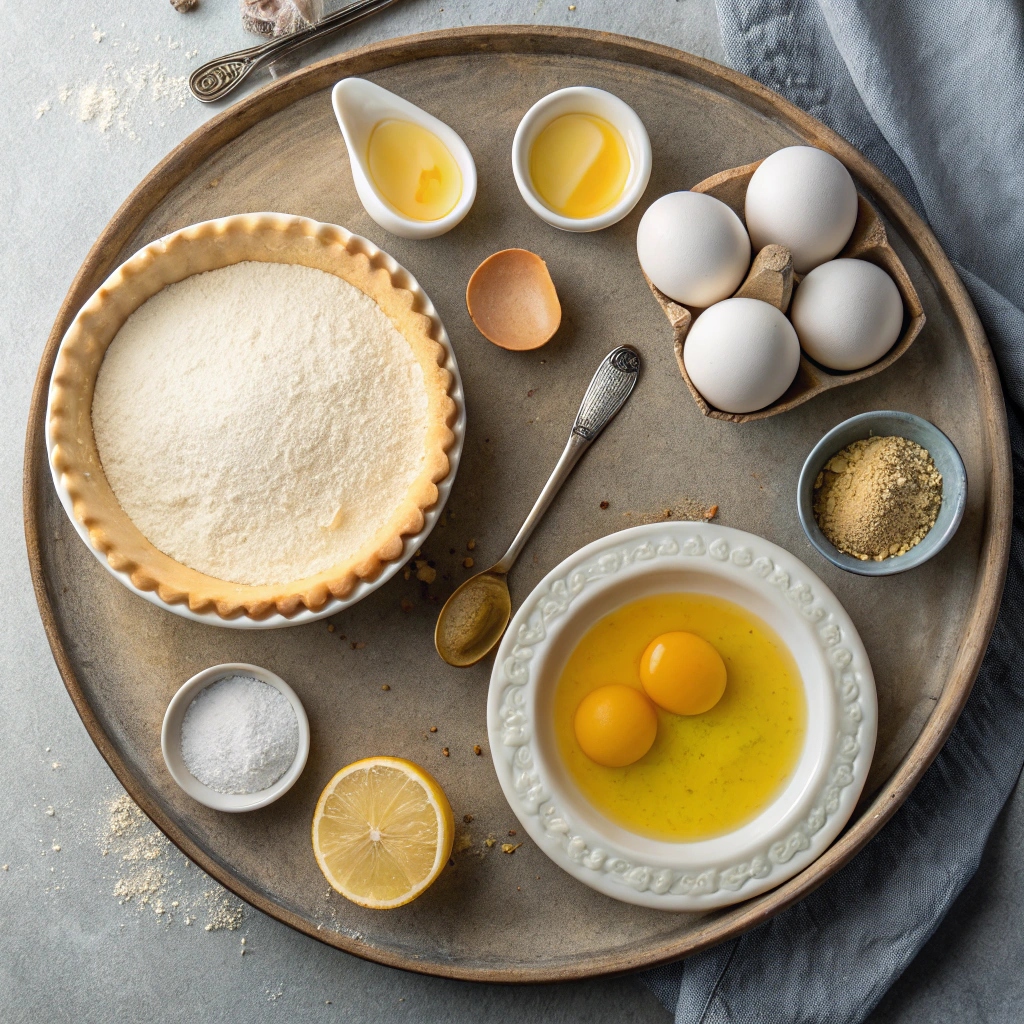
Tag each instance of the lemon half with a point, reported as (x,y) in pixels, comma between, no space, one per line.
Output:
(382,831)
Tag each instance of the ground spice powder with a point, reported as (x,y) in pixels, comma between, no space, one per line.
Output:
(878,497)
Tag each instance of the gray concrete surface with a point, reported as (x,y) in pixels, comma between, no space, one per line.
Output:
(94,96)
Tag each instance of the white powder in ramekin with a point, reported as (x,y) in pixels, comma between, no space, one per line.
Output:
(239,735)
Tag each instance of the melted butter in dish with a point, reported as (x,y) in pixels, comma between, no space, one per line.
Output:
(579,165)
(706,774)
(413,170)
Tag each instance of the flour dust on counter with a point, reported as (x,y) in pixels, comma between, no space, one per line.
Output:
(150,875)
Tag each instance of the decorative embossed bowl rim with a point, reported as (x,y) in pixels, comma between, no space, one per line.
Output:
(805,816)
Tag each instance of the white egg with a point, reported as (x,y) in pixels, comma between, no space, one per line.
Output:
(741,355)
(693,247)
(847,314)
(802,198)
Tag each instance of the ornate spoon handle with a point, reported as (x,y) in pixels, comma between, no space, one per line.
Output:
(216,78)
(608,391)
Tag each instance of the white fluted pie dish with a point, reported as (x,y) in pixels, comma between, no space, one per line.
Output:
(79,475)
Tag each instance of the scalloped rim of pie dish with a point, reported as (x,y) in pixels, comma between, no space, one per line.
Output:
(210,245)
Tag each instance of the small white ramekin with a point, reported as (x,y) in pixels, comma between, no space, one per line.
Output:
(170,740)
(581,99)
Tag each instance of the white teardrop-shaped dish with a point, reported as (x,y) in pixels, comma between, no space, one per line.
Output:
(360,106)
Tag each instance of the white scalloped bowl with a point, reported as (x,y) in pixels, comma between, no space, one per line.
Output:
(802,819)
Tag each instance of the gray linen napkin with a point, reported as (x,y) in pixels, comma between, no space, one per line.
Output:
(933,93)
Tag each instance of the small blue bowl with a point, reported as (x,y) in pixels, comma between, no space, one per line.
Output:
(887,424)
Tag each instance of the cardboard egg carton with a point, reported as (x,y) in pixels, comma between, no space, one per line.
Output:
(771,278)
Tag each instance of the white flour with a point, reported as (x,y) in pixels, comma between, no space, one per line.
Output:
(150,874)
(130,92)
(239,735)
(261,422)
(113,101)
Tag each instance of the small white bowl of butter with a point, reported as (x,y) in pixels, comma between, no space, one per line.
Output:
(413,173)
(581,158)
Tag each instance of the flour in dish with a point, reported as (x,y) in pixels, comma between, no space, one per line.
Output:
(260,422)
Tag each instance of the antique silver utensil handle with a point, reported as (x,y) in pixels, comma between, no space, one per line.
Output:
(611,386)
(216,78)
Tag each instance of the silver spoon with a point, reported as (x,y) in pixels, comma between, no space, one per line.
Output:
(475,616)
(216,78)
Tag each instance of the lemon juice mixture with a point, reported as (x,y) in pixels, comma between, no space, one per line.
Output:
(413,170)
(579,164)
(707,771)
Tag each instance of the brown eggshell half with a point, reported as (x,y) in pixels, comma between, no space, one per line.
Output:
(513,301)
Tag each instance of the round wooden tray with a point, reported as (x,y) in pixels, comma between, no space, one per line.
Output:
(493,916)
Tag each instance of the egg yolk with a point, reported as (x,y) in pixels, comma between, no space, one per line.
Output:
(615,725)
(706,774)
(682,673)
